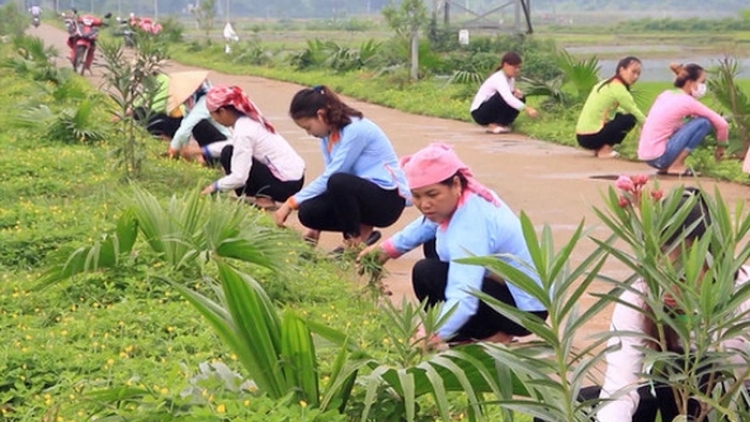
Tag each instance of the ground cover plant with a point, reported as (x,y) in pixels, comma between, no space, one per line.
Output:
(127,345)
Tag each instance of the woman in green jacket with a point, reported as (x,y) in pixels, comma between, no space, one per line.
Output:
(597,129)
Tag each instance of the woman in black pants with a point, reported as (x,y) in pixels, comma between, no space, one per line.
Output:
(362,186)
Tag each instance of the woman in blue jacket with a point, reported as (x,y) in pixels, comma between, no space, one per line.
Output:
(362,186)
(462,218)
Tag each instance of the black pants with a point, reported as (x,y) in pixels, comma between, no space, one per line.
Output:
(613,132)
(261,181)
(206,133)
(658,398)
(158,124)
(348,202)
(495,110)
(429,279)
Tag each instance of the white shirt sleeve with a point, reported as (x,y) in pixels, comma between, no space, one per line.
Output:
(504,87)
(624,364)
(243,140)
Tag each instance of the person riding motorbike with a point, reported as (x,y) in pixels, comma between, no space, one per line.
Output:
(36,13)
(83,32)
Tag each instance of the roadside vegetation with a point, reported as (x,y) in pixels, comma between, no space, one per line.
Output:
(135,298)
(377,71)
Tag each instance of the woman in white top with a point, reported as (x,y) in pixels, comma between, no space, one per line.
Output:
(258,161)
(498,102)
(626,402)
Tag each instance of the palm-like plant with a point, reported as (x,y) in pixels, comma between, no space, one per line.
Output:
(35,59)
(72,124)
(276,348)
(724,88)
(580,75)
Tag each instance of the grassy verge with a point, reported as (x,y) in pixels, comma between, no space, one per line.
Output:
(123,330)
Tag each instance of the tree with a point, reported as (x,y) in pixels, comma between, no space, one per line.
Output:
(408,18)
(205,14)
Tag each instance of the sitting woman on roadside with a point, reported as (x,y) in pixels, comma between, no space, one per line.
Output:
(361,187)
(498,102)
(666,139)
(199,125)
(597,129)
(258,161)
(625,402)
(462,218)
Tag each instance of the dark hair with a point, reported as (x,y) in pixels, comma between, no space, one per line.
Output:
(622,64)
(308,101)
(512,58)
(461,179)
(697,221)
(685,73)
(232,109)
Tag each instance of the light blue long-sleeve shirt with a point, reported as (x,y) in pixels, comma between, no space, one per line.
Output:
(362,150)
(477,228)
(198,113)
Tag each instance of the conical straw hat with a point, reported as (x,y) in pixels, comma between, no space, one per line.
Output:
(182,85)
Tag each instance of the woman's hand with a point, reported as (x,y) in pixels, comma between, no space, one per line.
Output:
(531,112)
(282,214)
(428,343)
(720,152)
(381,256)
(209,189)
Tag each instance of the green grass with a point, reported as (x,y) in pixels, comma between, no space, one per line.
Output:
(125,329)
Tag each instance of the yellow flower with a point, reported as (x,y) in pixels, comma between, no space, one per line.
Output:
(303,403)
(221,408)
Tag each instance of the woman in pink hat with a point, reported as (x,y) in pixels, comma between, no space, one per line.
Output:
(462,218)
(258,161)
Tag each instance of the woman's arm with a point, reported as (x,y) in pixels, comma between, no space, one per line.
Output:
(342,158)
(624,364)
(626,101)
(696,108)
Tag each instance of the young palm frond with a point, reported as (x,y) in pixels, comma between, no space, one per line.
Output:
(581,75)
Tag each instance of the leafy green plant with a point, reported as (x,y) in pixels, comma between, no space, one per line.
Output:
(551,368)
(36,60)
(13,21)
(580,75)
(723,86)
(74,124)
(705,289)
(131,80)
(406,20)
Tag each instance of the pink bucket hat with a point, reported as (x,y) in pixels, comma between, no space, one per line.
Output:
(438,162)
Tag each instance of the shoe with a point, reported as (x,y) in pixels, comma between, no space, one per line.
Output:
(686,173)
(499,129)
(612,154)
(372,239)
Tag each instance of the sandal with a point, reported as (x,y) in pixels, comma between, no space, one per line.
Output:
(686,173)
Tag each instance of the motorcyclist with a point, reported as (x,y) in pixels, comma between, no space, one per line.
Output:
(36,13)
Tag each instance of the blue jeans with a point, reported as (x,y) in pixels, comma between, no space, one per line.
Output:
(687,138)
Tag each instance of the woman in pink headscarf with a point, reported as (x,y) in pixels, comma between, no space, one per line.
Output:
(258,161)
(462,218)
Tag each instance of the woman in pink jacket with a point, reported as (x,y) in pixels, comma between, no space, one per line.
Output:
(677,123)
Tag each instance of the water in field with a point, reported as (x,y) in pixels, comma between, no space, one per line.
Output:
(655,69)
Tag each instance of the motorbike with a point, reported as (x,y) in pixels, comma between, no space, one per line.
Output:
(84,31)
(125,31)
(35,21)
